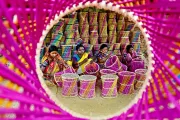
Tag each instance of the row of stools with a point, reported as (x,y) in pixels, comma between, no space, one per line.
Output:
(124,82)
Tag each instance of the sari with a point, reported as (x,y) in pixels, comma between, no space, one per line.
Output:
(130,58)
(81,68)
(51,67)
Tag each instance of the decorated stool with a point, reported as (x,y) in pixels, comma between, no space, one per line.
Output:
(57,76)
(113,63)
(87,86)
(69,86)
(137,64)
(107,71)
(109,85)
(126,89)
(140,78)
(126,82)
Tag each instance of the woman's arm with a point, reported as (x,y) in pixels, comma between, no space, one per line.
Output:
(128,58)
(84,61)
(94,58)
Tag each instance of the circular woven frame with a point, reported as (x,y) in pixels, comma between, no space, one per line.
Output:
(24,25)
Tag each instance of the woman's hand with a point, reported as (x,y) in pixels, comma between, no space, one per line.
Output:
(138,58)
(49,58)
(91,62)
(58,57)
(65,65)
(85,60)
(109,55)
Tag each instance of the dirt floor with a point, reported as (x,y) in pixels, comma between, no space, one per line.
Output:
(97,107)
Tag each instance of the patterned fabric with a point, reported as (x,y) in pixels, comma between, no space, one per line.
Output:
(129,59)
(77,59)
(49,68)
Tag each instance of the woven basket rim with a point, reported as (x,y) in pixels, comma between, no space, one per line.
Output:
(121,73)
(81,78)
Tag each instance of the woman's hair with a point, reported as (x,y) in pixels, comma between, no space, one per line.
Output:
(103,46)
(128,47)
(78,46)
(53,48)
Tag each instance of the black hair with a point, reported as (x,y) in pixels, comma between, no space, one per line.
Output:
(103,46)
(53,48)
(78,46)
(128,47)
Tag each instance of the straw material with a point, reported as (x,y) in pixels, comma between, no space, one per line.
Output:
(107,71)
(83,18)
(113,63)
(126,89)
(87,86)
(109,85)
(126,77)
(92,69)
(93,18)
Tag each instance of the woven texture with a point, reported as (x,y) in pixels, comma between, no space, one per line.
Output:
(22,22)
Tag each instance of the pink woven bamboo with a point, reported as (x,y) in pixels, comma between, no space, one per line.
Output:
(57,76)
(92,69)
(137,64)
(22,23)
(107,71)
(113,63)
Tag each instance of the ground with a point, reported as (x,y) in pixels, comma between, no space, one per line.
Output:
(96,107)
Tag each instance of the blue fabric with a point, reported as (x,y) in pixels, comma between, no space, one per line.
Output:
(76,58)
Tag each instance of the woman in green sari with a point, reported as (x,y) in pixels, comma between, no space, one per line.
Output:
(81,59)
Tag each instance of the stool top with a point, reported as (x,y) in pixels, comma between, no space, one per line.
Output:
(87,77)
(126,73)
(70,76)
(109,76)
(140,71)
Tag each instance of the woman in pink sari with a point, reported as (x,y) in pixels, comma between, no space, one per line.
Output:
(130,56)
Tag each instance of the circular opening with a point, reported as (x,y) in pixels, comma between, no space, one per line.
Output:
(92,68)
(69,76)
(141,71)
(107,71)
(127,73)
(97,108)
(109,76)
(87,78)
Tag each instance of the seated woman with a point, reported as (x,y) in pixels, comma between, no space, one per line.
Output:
(130,55)
(102,56)
(80,59)
(52,63)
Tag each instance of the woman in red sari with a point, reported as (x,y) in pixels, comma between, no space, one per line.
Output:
(51,63)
